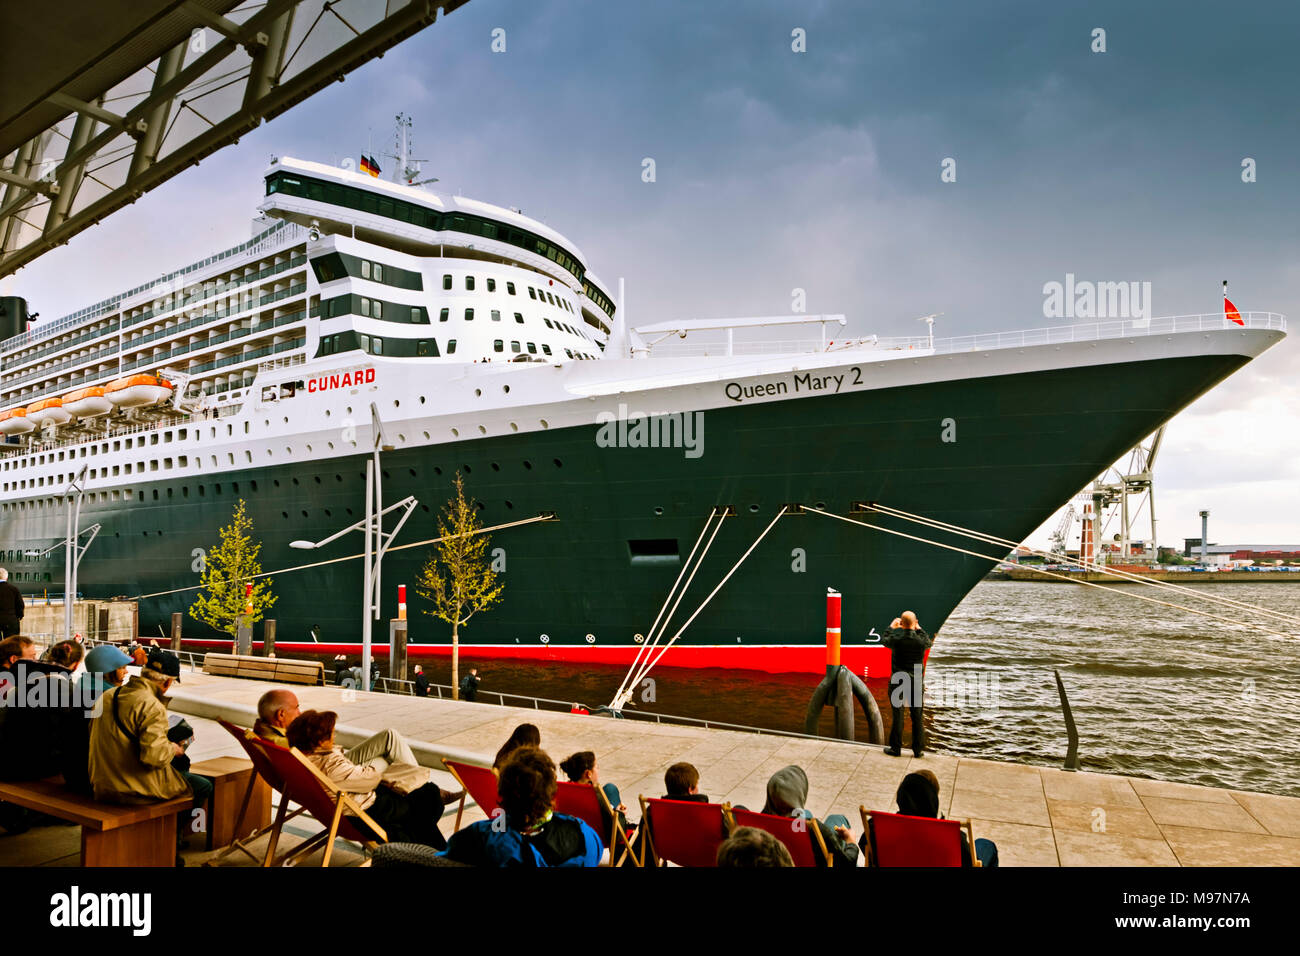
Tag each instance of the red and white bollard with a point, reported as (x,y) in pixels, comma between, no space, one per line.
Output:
(832,627)
(401,602)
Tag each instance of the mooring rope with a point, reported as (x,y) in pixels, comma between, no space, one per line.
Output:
(976,554)
(727,577)
(354,557)
(625,688)
(1087,565)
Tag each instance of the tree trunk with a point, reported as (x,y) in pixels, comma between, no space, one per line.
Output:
(455,660)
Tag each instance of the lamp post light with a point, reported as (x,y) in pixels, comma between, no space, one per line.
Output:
(377,540)
(75,550)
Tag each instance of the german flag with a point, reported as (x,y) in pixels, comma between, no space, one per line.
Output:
(368,165)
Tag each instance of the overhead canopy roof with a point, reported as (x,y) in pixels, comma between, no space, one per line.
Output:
(102,100)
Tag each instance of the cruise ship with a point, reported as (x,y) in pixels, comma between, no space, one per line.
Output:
(626,464)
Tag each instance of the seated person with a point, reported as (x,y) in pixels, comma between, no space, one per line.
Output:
(66,654)
(105,669)
(682,782)
(918,796)
(534,834)
(278,708)
(525,735)
(787,792)
(750,848)
(39,717)
(130,753)
(12,650)
(407,817)
(581,768)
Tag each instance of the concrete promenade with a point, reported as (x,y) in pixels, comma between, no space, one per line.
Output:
(1037,816)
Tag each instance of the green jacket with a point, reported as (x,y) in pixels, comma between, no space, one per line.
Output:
(136,765)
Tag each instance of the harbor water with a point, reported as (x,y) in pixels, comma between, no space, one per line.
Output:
(1155,691)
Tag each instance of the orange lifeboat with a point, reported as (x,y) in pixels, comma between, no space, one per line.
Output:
(47,411)
(138,391)
(87,402)
(14,421)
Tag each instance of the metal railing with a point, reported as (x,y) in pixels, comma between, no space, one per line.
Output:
(1053,335)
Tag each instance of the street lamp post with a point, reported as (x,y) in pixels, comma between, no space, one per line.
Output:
(377,541)
(75,551)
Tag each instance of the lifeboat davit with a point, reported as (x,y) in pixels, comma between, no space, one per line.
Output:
(138,391)
(48,411)
(87,402)
(14,421)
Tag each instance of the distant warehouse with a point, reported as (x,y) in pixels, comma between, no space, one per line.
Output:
(1225,554)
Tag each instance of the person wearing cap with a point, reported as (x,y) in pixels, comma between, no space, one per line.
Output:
(130,753)
(105,668)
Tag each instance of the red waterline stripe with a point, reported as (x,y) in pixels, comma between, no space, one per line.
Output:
(774,659)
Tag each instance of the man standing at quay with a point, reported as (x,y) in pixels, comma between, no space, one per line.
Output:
(907,642)
(11,607)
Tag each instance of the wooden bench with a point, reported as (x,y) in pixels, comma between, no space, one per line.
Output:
(111,835)
(276,669)
(241,800)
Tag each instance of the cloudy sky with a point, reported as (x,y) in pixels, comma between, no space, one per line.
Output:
(820,170)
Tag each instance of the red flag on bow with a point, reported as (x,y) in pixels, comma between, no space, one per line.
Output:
(1229,310)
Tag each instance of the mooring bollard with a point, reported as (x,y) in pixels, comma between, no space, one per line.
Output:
(840,686)
(177,617)
(397,650)
(268,637)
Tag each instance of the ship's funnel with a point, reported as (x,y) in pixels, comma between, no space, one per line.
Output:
(13,316)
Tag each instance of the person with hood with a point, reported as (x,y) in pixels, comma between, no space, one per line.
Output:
(525,735)
(787,792)
(918,796)
(907,642)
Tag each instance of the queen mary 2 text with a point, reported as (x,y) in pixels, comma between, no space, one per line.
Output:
(323,383)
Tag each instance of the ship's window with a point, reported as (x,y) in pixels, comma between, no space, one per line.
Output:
(446,282)
(442,316)
(422,347)
(469,283)
(469,315)
(510,288)
(568,353)
(418,316)
(365,307)
(379,272)
(519,318)
(532,348)
(492,285)
(550,298)
(548,323)
(532,293)
(546,348)
(514,346)
(498,346)
(365,342)
(496,315)
(365,269)
(451,346)
(378,346)
(379,310)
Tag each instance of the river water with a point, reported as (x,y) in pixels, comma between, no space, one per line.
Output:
(1155,691)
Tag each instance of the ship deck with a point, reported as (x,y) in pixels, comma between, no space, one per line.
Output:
(1038,816)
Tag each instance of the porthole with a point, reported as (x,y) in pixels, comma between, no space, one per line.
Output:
(295,481)
(639,638)
(753,509)
(426,508)
(338,478)
(284,515)
(455,433)
(820,506)
(545,639)
(304,514)
(482,430)
(328,413)
(506,389)
(478,393)
(659,511)
(437,470)
(426,435)
(397,403)
(528,465)
(591,638)
(330,444)
(467,468)
(495,466)
(317,478)
(510,506)
(401,438)
(514,427)
(412,472)
(421,399)
(558,463)
(544,423)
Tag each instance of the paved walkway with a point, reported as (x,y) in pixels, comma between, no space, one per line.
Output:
(1037,816)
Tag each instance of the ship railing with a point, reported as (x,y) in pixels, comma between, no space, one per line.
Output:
(1053,335)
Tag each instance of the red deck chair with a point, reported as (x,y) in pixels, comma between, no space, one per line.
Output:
(332,807)
(681,832)
(478,782)
(897,840)
(798,835)
(586,802)
(261,768)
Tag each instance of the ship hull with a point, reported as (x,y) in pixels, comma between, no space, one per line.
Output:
(997,454)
